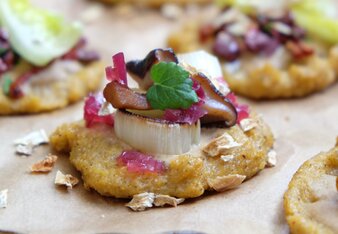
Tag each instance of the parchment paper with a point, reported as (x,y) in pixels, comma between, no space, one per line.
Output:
(302,127)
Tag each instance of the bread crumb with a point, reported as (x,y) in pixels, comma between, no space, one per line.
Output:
(141,202)
(3,198)
(221,145)
(222,183)
(46,165)
(67,180)
(26,144)
(247,124)
(162,200)
(271,159)
(227,158)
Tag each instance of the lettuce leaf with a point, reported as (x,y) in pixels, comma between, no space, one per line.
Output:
(37,35)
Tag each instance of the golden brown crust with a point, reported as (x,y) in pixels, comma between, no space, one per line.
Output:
(56,94)
(302,192)
(299,78)
(93,152)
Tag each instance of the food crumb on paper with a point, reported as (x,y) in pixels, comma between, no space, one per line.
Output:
(3,198)
(271,159)
(142,201)
(67,180)
(26,144)
(46,165)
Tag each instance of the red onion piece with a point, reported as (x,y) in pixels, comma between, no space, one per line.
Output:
(119,71)
(140,163)
(226,46)
(257,41)
(93,103)
(190,116)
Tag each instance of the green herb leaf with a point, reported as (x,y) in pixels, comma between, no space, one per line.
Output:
(6,85)
(37,35)
(172,88)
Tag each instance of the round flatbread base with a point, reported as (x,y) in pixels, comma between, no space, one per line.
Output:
(56,94)
(266,81)
(156,3)
(312,196)
(93,151)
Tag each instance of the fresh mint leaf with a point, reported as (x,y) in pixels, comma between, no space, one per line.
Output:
(172,88)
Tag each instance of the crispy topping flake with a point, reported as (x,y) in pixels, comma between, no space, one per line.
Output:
(247,124)
(46,165)
(24,149)
(3,198)
(271,159)
(67,180)
(221,145)
(142,201)
(227,158)
(162,200)
(34,138)
(222,183)
(25,145)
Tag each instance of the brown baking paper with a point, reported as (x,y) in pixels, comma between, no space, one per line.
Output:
(302,127)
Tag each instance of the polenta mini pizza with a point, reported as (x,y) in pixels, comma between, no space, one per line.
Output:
(310,202)
(44,64)
(156,3)
(180,133)
(268,54)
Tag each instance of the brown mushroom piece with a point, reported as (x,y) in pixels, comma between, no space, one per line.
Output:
(139,70)
(122,97)
(220,110)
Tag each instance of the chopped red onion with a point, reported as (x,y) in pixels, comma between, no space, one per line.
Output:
(140,163)
(190,116)
(257,41)
(92,106)
(226,46)
(119,71)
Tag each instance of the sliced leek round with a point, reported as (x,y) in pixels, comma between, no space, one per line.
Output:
(154,135)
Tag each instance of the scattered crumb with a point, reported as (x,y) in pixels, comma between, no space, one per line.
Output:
(3,198)
(92,13)
(222,183)
(67,180)
(25,150)
(271,159)
(25,145)
(227,158)
(221,145)
(162,200)
(103,216)
(106,109)
(46,165)
(171,11)
(247,124)
(287,118)
(141,201)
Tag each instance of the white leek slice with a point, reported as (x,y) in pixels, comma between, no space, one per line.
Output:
(208,64)
(156,136)
(37,35)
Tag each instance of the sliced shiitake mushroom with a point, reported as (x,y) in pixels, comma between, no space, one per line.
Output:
(219,108)
(140,69)
(122,97)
